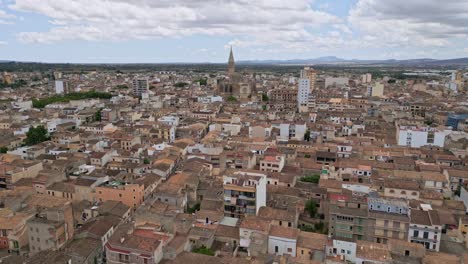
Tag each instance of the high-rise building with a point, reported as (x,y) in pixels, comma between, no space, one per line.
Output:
(303,93)
(61,87)
(58,75)
(376,90)
(140,86)
(311,74)
(366,78)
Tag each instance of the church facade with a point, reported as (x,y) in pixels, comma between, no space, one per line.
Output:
(233,84)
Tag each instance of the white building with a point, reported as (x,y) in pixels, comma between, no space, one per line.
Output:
(140,86)
(303,95)
(425,228)
(244,193)
(60,86)
(366,78)
(210,99)
(376,90)
(343,249)
(282,240)
(295,131)
(336,81)
(22,105)
(416,137)
(169,120)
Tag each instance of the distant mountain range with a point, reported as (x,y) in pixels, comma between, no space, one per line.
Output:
(332,60)
(327,60)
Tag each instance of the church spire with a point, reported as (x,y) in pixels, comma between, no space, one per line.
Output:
(231,64)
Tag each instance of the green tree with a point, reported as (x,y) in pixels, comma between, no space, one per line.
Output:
(3,149)
(36,135)
(202,81)
(265,98)
(97,115)
(231,99)
(193,209)
(203,250)
(311,178)
(311,208)
(146,161)
(121,87)
(307,228)
(264,107)
(181,84)
(41,103)
(307,135)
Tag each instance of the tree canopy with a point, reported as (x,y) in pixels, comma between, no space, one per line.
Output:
(36,135)
(41,103)
(311,208)
(311,178)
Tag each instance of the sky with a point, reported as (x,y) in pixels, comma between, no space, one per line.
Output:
(156,31)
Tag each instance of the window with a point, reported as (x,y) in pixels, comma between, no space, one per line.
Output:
(302,252)
(276,249)
(280,223)
(289,250)
(407,253)
(416,233)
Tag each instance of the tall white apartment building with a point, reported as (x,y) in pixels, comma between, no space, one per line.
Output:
(311,74)
(303,93)
(61,87)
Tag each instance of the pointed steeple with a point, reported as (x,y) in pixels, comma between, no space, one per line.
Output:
(231,64)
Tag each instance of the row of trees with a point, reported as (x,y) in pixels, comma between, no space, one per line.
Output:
(17,84)
(41,103)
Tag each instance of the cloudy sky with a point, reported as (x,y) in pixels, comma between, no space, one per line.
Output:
(202,30)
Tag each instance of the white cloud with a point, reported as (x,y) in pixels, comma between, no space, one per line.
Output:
(6,18)
(268,26)
(420,23)
(3,43)
(255,21)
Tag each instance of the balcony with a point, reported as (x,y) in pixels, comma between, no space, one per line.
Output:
(390,228)
(423,239)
